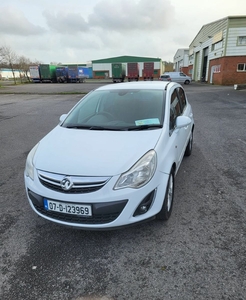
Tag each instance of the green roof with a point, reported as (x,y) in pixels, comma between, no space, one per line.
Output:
(126,59)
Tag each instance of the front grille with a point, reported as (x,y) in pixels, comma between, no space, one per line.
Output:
(79,184)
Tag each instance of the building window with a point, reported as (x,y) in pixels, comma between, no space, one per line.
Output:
(216,46)
(241,67)
(241,40)
(216,69)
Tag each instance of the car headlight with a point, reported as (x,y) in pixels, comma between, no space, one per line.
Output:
(29,171)
(139,174)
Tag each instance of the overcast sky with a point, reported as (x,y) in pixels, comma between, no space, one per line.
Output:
(78,31)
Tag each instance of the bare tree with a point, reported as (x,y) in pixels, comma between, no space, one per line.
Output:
(23,64)
(36,62)
(8,57)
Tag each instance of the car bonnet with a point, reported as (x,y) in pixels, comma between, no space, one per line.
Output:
(91,152)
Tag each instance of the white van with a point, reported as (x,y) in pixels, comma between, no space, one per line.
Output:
(179,77)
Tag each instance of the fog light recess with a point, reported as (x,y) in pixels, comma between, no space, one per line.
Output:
(145,205)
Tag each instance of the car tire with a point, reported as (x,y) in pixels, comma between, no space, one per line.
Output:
(189,146)
(187,82)
(167,206)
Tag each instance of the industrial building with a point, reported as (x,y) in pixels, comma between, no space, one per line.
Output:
(181,60)
(102,68)
(217,54)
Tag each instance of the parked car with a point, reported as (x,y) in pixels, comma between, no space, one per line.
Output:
(112,160)
(165,78)
(178,77)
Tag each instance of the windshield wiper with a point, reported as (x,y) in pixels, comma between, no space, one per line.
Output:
(144,127)
(89,127)
(92,127)
(131,128)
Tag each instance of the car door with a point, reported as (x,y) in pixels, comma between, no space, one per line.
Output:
(178,78)
(182,78)
(179,136)
(185,111)
(175,77)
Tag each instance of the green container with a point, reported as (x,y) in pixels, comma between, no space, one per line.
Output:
(47,73)
(118,72)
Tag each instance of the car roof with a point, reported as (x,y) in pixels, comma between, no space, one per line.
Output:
(143,85)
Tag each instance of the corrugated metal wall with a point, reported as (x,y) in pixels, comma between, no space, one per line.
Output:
(232,41)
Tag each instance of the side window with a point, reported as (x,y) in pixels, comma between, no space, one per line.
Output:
(175,103)
(182,98)
(172,121)
(175,110)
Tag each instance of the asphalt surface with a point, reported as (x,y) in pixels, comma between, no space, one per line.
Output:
(200,253)
(52,88)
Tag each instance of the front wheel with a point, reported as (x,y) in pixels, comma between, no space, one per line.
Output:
(167,206)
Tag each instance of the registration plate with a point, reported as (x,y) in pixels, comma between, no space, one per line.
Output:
(68,208)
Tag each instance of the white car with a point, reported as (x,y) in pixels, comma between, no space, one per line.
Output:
(178,77)
(113,158)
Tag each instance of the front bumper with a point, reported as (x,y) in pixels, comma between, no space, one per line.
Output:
(110,208)
(102,212)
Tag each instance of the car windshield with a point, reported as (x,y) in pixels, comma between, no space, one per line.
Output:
(118,110)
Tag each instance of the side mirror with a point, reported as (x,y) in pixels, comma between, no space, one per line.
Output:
(182,121)
(62,117)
